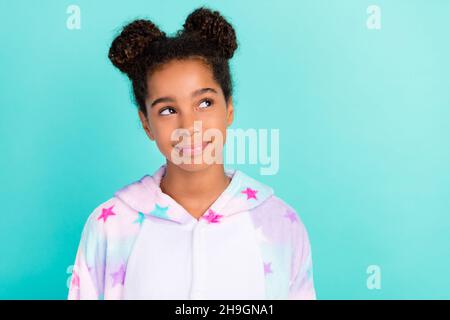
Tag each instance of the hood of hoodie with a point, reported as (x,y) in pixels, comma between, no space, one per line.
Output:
(145,196)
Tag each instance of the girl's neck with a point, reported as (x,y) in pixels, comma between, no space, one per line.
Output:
(196,190)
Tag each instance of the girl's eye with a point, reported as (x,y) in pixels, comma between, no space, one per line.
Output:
(208,101)
(167,111)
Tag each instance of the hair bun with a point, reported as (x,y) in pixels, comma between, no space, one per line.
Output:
(211,25)
(131,43)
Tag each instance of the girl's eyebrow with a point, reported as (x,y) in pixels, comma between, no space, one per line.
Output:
(194,94)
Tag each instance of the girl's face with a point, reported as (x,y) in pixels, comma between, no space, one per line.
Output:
(187,115)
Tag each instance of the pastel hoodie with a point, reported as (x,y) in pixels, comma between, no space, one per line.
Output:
(142,244)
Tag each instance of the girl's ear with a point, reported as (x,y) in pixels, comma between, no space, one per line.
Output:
(230,112)
(146,126)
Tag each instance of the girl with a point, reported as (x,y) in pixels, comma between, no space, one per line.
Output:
(192,229)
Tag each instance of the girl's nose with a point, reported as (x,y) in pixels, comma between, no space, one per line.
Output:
(190,123)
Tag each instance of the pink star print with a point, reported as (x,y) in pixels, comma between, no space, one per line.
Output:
(75,279)
(267,268)
(106,213)
(291,215)
(250,193)
(212,217)
(119,276)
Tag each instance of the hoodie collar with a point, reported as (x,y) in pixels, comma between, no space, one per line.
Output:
(243,193)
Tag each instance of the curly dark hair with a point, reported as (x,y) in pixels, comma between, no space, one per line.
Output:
(142,47)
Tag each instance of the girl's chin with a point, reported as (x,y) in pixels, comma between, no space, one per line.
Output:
(192,167)
(195,163)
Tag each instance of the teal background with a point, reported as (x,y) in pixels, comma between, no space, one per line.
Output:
(363,118)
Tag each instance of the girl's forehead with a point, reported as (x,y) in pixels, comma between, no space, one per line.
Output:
(178,76)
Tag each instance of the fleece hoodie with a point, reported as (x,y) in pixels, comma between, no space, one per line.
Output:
(142,244)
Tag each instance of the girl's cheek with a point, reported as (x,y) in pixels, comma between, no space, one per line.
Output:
(167,133)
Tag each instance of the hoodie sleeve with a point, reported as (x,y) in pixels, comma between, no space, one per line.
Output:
(302,283)
(87,280)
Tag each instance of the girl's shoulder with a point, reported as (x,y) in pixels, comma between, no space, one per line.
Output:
(123,206)
(275,208)
(112,217)
(279,220)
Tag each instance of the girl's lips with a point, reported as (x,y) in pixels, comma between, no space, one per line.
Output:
(193,149)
